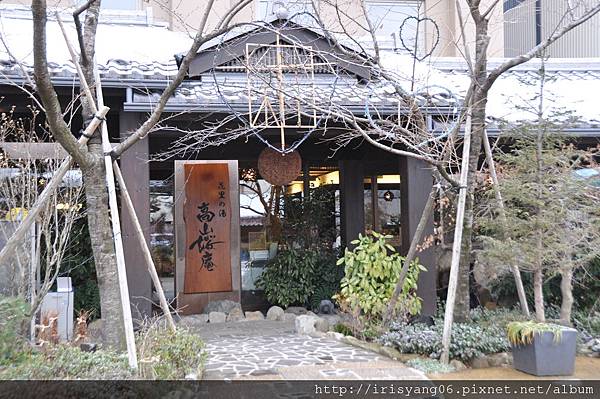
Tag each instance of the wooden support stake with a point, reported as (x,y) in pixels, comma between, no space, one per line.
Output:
(144,245)
(456,245)
(513,266)
(116,225)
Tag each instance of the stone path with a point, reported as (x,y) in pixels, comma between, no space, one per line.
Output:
(272,350)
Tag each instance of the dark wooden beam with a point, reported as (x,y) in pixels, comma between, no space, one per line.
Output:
(415,185)
(136,173)
(352,200)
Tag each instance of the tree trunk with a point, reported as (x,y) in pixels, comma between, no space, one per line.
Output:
(566,290)
(479,101)
(104,254)
(538,283)
(98,216)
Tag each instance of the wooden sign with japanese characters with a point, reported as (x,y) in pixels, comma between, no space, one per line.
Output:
(207,216)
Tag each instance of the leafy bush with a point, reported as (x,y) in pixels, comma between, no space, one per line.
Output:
(469,340)
(372,270)
(169,355)
(429,366)
(588,322)
(65,362)
(13,313)
(304,271)
(342,329)
(326,279)
(288,278)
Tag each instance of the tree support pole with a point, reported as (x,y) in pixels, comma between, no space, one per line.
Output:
(513,266)
(456,245)
(116,225)
(112,200)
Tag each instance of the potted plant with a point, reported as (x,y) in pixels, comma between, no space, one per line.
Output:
(542,348)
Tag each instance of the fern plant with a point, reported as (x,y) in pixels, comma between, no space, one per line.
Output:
(523,332)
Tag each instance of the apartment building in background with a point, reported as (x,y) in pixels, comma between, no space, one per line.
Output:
(528,22)
(387,16)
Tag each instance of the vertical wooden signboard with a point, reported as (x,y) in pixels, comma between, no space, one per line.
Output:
(207,217)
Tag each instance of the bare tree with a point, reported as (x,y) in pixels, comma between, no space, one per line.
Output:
(37,262)
(90,157)
(482,81)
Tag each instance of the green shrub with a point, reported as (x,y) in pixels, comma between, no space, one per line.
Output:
(469,340)
(63,362)
(13,314)
(588,322)
(326,279)
(170,355)
(342,329)
(372,270)
(288,278)
(429,366)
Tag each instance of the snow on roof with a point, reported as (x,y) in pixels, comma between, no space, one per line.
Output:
(135,54)
(115,41)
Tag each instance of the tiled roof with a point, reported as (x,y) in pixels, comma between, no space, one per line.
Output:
(142,57)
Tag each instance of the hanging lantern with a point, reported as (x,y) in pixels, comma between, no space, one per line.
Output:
(388,196)
(279,169)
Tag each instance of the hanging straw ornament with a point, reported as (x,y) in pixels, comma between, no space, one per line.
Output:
(279,169)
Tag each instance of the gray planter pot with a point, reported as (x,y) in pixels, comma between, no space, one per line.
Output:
(546,357)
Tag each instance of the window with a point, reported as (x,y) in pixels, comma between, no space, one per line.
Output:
(387,16)
(131,5)
(266,10)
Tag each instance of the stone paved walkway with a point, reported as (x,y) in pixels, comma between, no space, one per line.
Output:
(272,350)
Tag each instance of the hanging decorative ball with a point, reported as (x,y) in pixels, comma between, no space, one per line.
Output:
(279,169)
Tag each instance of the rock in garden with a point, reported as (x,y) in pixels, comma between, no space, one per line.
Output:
(217,317)
(297,310)
(335,335)
(306,324)
(88,347)
(224,306)
(322,325)
(275,313)
(255,315)
(333,319)
(499,359)
(193,320)
(326,307)
(236,314)
(480,363)
(457,365)
(289,317)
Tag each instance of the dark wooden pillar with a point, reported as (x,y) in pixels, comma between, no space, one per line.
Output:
(352,200)
(415,186)
(136,172)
